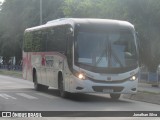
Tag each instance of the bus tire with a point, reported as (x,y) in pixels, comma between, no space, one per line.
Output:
(115,96)
(37,86)
(44,87)
(62,92)
(155,85)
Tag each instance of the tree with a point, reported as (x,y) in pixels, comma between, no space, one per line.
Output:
(16,16)
(144,14)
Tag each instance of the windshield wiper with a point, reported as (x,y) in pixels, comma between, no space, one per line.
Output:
(109,53)
(115,56)
(100,58)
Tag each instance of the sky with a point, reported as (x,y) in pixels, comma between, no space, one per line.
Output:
(1,0)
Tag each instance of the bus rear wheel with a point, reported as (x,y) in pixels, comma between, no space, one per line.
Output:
(44,87)
(62,91)
(38,87)
(115,96)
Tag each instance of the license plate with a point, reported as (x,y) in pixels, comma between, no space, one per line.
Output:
(108,90)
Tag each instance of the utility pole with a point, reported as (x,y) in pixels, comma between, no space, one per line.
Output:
(40,6)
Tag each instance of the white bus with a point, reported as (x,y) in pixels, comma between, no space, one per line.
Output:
(82,56)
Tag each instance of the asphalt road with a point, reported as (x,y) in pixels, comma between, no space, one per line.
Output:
(19,95)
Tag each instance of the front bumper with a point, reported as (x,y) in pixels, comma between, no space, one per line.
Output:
(89,86)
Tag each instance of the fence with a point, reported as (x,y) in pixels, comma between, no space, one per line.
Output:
(144,75)
(11,67)
(149,77)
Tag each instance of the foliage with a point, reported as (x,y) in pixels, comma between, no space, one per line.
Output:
(144,14)
(17,15)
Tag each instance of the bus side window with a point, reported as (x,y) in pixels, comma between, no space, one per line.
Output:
(27,42)
(61,39)
(56,39)
(39,41)
(50,43)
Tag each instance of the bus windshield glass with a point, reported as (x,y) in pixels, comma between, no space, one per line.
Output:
(106,50)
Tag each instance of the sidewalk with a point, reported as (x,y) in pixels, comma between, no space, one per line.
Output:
(144,87)
(146,93)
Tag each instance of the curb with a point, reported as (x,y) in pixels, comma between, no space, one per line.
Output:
(144,97)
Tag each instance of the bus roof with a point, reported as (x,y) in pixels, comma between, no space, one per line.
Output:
(83,21)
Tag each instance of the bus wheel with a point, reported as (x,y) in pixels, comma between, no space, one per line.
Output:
(44,87)
(62,92)
(36,85)
(115,96)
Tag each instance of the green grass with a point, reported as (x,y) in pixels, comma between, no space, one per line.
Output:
(11,73)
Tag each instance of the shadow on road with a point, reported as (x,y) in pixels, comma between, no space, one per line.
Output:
(79,97)
(76,97)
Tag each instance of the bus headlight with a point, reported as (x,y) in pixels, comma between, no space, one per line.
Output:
(81,76)
(134,77)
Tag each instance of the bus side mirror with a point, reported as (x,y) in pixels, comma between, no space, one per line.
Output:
(77,29)
(140,49)
(70,31)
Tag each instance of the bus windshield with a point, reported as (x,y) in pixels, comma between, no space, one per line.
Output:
(106,50)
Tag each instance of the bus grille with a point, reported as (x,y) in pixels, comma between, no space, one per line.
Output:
(109,82)
(101,88)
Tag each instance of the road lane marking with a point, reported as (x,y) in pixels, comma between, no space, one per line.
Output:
(26,96)
(5,82)
(45,95)
(9,96)
(5,96)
